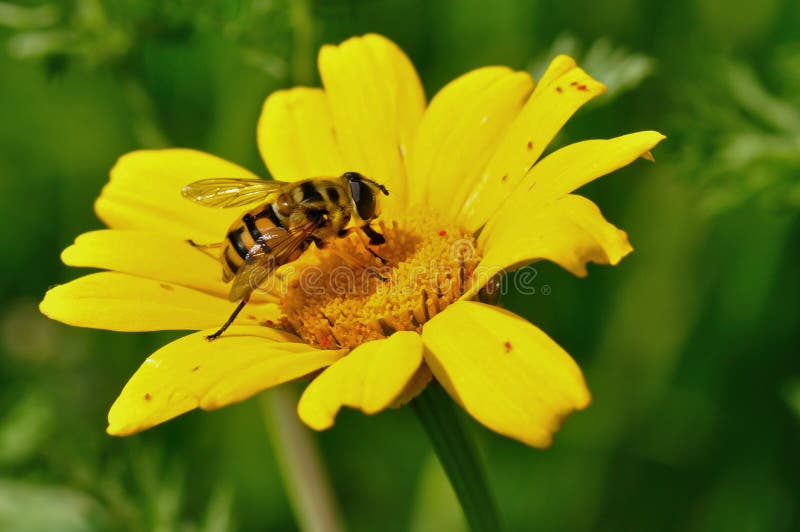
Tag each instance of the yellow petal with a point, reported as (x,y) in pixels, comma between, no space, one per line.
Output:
(370,378)
(571,167)
(296,137)
(505,372)
(376,101)
(145,193)
(560,65)
(570,231)
(460,131)
(192,372)
(148,254)
(563,90)
(121,302)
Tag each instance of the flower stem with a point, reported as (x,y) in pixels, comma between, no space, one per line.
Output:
(298,459)
(459,457)
(302,23)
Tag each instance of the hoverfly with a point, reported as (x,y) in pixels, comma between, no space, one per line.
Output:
(289,217)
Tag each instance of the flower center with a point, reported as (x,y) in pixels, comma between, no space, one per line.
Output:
(347,297)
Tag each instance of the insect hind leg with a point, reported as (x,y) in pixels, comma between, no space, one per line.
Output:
(228,322)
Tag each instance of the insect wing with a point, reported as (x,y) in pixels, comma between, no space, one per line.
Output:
(273,249)
(229,192)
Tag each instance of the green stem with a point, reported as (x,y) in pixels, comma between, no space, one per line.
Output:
(459,457)
(302,23)
(298,459)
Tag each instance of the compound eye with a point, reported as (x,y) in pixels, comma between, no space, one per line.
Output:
(364,199)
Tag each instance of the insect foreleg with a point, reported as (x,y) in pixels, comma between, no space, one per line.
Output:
(352,260)
(375,238)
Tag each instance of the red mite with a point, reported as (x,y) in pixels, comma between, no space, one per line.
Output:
(325,341)
(530,144)
(559,89)
(442,232)
(507,345)
(147,397)
(574,83)
(582,88)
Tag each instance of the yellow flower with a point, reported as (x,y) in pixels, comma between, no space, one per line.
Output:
(466,197)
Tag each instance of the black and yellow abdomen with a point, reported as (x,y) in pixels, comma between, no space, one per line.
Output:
(292,206)
(244,235)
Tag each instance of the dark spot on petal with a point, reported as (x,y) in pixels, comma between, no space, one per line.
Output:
(251,317)
(166,286)
(559,89)
(505,177)
(195,368)
(268,323)
(574,83)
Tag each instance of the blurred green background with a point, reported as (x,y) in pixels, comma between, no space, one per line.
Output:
(691,346)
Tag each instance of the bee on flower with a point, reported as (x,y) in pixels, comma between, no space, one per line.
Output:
(462,173)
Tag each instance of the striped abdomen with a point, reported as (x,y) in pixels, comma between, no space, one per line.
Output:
(243,235)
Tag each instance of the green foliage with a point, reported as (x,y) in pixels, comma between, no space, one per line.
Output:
(745,148)
(689,346)
(619,69)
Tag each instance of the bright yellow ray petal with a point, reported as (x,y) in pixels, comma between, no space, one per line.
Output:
(571,167)
(504,371)
(376,101)
(192,372)
(370,378)
(560,65)
(569,231)
(148,254)
(122,302)
(563,90)
(460,131)
(296,137)
(145,193)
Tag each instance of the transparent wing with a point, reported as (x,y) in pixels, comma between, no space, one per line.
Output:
(274,249)
(230,192)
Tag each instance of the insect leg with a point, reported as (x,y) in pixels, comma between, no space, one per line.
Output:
(355,261)
(239,307)
(375,238)
(206,248)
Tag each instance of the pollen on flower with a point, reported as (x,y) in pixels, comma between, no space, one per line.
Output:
(332,303)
